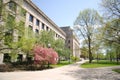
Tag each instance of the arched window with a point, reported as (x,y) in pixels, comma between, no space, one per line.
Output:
(12,6)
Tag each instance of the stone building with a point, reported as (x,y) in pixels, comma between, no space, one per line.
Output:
(72,42)
(36,20)
(32,17)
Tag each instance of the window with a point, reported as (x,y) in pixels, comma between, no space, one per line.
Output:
(47,28)
(56,35)
(20,58)
(37,22)
(68,41)
(43,26)
(69,47)
(36,30)
(12,6)
(31,18)
(6,58)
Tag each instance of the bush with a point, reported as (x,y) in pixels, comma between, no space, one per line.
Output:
(46,55)
(74,59)
(5,68)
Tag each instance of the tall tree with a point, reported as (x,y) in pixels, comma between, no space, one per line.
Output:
(87,20)
(112,26)
(111,8)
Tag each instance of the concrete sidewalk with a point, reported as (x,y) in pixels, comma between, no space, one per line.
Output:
(69,72)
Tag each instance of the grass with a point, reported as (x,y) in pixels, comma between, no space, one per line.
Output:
(101,63)
(62,63)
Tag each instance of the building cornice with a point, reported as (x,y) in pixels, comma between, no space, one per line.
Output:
(45,16)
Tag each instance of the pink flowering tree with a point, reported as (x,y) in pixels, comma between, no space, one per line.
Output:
(44,55)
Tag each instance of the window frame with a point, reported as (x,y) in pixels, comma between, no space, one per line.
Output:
(31,17)
(12,6)
(37,22)
(43,26)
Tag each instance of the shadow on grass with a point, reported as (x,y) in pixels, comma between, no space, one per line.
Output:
(117,70)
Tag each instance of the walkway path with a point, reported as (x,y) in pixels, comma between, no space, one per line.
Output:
(69,72)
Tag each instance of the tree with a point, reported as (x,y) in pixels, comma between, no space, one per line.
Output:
(87,20)
(112,31)
(84,52)
(63,52)
(45,38)
(12,33)
(112,27)
(112,8)
(44,55)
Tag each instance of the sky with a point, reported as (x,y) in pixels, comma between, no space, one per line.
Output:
(64,12)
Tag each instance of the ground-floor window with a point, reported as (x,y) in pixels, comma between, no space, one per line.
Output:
(20,58)
(7,58)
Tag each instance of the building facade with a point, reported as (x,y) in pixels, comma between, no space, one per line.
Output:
(72,42)
(32,17)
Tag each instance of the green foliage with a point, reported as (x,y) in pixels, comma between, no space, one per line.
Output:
(26,44)
(45,38)
(84,52)
(59,46)
(22,12)
(1,2)
(14,55)
(112,29)
(74,59)
(111,8)
(87,20)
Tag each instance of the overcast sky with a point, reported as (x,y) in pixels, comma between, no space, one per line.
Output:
(64,12)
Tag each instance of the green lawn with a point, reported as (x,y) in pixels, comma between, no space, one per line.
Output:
(62,63)
(101,63)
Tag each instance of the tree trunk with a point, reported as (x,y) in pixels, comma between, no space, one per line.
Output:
(48,65)
(110,57)
(89,47)
(117,55)
(97,57)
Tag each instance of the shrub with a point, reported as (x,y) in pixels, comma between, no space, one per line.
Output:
(5,68)
(75,58)
(44,55)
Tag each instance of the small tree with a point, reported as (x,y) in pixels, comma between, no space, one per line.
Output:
(44,55)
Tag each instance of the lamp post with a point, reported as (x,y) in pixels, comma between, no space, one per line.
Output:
(49,45)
